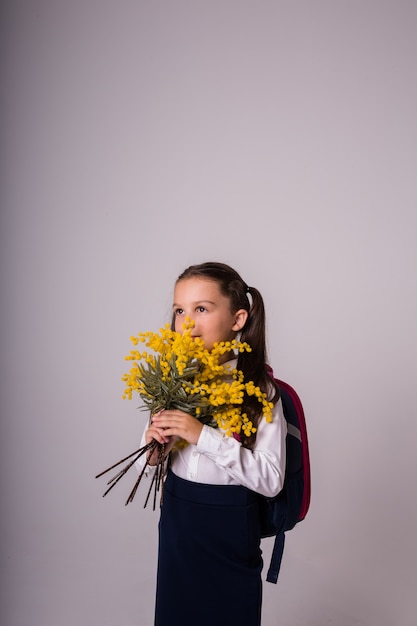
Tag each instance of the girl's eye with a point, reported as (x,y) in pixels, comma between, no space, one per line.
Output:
(179,311)
(201,309)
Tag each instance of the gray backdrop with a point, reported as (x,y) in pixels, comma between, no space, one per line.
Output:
(137,138)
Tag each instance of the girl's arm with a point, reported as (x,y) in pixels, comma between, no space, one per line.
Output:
(261,469)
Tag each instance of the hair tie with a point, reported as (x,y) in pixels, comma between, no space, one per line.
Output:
(248,295)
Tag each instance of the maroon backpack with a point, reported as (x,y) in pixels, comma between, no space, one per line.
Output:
(291,505)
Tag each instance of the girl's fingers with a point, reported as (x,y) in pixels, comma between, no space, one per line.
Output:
(157,434)
(179,424)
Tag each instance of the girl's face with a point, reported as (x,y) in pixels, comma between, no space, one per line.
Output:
(200,299)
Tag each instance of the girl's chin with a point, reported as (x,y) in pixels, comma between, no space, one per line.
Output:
(226,357)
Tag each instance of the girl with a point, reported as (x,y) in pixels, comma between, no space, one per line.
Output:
(209,562)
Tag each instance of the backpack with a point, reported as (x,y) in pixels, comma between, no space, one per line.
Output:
(290,506)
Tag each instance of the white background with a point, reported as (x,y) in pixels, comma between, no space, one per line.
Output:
(138,138)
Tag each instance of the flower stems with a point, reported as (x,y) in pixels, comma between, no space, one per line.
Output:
(157,479)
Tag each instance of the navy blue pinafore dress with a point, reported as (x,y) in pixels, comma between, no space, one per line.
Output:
(209,558)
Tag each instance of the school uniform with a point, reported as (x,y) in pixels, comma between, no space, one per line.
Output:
(209,557)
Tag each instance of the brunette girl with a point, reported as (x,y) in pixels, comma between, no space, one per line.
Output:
(210,563)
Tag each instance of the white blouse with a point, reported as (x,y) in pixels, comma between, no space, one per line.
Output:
(217,459)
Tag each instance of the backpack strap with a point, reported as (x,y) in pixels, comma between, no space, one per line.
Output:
(276,558)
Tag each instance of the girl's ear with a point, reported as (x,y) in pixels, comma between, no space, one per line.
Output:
(240,320)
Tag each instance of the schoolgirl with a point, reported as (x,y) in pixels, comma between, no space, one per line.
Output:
(209,558)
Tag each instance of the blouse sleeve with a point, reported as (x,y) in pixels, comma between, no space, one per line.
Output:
(261,469)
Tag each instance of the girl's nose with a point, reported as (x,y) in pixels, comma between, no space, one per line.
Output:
(194,329)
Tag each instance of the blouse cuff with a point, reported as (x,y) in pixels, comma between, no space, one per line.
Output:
(210,440)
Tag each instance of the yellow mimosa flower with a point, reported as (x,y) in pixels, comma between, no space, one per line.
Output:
(182,374)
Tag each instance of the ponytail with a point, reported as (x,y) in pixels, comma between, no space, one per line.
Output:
(254,364)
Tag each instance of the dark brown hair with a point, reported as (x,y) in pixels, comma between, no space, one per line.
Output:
(252,364)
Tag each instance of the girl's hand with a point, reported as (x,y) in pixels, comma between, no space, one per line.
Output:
(158,434)
(177,424)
